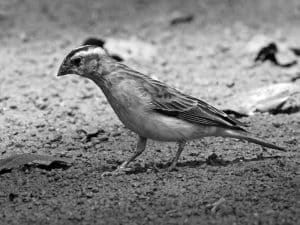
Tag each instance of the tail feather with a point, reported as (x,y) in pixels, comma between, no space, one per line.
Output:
(246,136)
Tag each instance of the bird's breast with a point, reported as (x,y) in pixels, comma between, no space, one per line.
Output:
(132,107)
(159,127)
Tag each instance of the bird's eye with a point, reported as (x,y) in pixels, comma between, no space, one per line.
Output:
(76,61)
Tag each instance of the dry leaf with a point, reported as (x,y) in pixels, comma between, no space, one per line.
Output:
(16,161)
(264,99)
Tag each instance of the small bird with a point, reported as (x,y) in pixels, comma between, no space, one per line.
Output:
(150,108)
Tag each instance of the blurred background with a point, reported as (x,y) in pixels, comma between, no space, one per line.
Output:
(206,48)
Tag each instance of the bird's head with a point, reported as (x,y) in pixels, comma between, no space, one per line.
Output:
(87,61)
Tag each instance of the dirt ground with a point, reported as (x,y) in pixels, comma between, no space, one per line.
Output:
(205,57)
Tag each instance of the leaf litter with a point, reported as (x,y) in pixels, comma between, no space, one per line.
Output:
(43,161)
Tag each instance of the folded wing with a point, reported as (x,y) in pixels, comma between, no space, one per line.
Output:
(170,102)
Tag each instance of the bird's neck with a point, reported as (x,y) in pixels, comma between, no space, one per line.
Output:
(102,82)
(106,82)
(109,75)
(106,86)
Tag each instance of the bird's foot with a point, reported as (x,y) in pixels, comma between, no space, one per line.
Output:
(171,168)
(119,171)
(114,173)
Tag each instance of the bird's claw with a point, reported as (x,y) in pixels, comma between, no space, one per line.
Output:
(171,168)
(168,169)
(112,173)
(119,171)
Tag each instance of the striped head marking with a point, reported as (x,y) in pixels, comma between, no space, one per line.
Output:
(84,61)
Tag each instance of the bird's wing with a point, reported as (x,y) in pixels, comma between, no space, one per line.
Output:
(168,101)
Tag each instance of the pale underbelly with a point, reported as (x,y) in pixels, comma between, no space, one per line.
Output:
(163,128)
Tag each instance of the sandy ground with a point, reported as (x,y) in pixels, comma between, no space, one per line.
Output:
(206,57)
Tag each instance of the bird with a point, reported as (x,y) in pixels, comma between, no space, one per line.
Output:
(150,108)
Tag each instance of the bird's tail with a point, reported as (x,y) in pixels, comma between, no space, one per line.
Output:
(246,136)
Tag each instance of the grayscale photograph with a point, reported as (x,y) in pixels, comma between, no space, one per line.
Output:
(149,112)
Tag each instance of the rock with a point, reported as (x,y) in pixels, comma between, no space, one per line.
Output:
(94,41)
(272,98)
(267,52)
(270,52)
(296,51)
(178,17)
(20,160)
(257,43)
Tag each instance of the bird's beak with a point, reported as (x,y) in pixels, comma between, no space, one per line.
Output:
(63,70)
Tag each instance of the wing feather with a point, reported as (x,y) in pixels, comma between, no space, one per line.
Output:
(170,102)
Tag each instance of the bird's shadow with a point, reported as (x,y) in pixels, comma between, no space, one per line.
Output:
(212,160)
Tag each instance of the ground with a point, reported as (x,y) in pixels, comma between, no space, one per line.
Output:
(205,57)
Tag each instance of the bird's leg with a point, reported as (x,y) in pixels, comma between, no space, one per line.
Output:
(181,145)
(140,147)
